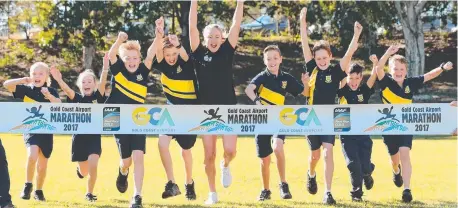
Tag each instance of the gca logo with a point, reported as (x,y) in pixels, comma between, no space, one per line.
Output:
(155,116)
(302,116)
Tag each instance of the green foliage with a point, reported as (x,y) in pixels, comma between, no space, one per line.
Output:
(16,51)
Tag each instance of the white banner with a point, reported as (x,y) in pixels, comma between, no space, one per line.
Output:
(70,118)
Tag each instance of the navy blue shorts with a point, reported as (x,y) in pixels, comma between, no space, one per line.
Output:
(315,141)
(185,141)
(43,141)
(264,144)
(127,143)
(394,142)
(84,145)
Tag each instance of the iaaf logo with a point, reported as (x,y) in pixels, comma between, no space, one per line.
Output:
(340,110)
(110,109)
(34,122)
(212,123)
(387,123)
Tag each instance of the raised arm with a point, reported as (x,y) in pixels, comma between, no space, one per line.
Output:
(249,91)
(235,27)
(175,42)
(55,73)
(10,84)
(104,74)
(194,40)
(381,63)
(345,61)
(437,71)
(122,37)
(371,81)
(304,39)
(305,78)
(160,39)
(151,53)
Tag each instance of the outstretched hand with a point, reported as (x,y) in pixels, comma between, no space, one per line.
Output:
(55,73)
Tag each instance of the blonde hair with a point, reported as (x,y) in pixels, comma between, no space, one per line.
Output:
(209,27)
(79,81)
(45,66)
(131,45)
(399,58)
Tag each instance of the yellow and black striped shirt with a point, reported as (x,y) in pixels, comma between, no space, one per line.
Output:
(178,81)
(126,87)
(272,89)
(392,93)
(359,96)
(324,84)
(31,94)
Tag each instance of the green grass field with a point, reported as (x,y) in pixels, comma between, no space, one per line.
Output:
(434,176)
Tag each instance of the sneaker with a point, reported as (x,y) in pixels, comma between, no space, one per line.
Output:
(121,182)
(78,173)
(27,191)
(407,196)
(136,202)
(90,197)
(190,191)
(328,199)
(39,196)
(397,178)
(284,191)
(357,195)
(368,180)
(171,189)
(212,198)
(265,195)
(226,177)
(312,187)
(10,205)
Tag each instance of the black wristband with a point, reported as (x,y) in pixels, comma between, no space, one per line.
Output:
(442,67)
(256,99)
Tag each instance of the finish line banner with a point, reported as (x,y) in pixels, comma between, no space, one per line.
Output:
(71,118)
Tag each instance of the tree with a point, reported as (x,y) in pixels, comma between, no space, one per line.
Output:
(28,14)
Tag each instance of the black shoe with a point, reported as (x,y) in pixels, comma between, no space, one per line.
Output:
(121,182)
(27,191)
(78,173)
(10,205)
(284,191)
(368,182)
(357,195)
(136,202)
(328,199)
(190,191)
(171,189)
(407,196)
(265,195)
(90,197)
(39,196)
(397,178)
(311,184)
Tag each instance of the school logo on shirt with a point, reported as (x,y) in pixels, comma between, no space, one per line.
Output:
(387,123)
(179,69)
(94,101)
(139,78)
(207,58)
(34,122)
(328,79)
(212,122)
(283,84)
(360,98)
(407,90)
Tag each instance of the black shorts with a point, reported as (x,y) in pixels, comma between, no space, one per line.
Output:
(264,144)
(315,141)
(127,143)
(84,145)
(43,141)
(185,141)
(394,142)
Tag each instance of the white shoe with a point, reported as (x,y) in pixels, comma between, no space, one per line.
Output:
(226,177)
(212,198)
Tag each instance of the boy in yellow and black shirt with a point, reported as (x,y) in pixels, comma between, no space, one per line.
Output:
(324,82)
(269,88)
(129,86)
(397,88)
(357,149)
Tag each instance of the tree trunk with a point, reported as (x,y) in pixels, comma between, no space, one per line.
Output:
(183,20)
(88,56)
(412,27)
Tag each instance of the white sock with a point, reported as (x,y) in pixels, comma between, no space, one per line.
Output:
(137,194)
(308,172)
(406,188)
(399,170)
(327,191)
(124,173)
